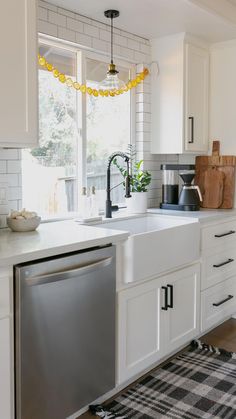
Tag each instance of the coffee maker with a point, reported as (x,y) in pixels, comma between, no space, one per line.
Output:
(190,195)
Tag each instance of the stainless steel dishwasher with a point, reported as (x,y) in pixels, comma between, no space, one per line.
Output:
(64,333)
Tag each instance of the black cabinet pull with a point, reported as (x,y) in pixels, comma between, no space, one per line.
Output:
(191,118)
(165,298)
(170,287)
(223,301)
(223,263)
(225,234)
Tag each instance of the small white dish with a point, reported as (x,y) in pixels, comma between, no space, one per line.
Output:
(29,224)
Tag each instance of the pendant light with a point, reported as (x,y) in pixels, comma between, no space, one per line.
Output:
(112,82)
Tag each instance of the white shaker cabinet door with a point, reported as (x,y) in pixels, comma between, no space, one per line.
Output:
(139,340)
(18,74)
(5,370)
(183,314)
(196,98)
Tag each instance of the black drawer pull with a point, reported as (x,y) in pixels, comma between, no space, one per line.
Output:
(225,234)
(165,298)
(223,263)
(223,301)
(170,287)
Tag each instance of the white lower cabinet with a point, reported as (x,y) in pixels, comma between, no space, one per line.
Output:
(139,332)
(5,370)
(155,318)
(182,322)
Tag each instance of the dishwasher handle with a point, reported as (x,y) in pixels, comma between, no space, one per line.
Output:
(69,273)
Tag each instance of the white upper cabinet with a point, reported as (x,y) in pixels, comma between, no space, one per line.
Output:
(179,96)
(222,95)
(18,74)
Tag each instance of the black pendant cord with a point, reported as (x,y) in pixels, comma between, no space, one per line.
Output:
(111,39)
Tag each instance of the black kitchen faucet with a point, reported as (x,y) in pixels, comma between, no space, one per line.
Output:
(127,181)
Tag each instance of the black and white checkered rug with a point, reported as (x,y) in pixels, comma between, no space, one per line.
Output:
(199,383)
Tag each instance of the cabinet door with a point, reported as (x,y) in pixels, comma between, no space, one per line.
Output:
(139,337)
(18,74)
(183,314)
(196,98)
(5,370)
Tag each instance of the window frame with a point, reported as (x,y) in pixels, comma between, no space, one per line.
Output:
(82,53)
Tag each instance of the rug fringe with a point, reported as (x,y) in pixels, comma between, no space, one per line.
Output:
(197,343)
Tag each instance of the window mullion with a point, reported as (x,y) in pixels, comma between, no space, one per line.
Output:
(81,122)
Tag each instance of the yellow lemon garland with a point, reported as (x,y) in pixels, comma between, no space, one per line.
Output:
(86,89)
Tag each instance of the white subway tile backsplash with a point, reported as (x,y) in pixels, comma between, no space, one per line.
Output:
(3,166)
(105,35)
(141,58)
(10,179)
(3,221)
(91,30)
(8,153)
(83,19)
(13,166)
(127,53)
(100,45)
(146,49)
(143,107)
(15,193)
(66,34)
(120,40)
(13,205)
(65,12)
(133,44)
(47,28)
(143,126)
(42,13)
(75,25)
(84,40)
(56,18)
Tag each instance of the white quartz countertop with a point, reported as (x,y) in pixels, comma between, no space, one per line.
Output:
(204,215)
(52,239)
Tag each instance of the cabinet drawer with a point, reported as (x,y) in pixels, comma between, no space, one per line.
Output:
(222,234)
(218,267)
(4,297)
(217,303)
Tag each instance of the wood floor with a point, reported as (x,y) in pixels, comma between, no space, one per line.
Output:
(223,336)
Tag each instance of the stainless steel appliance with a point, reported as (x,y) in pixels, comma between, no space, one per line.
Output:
(64,333)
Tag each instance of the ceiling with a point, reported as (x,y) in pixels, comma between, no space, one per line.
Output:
(212,20)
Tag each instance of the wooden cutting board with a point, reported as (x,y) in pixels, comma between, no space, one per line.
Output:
(215,176)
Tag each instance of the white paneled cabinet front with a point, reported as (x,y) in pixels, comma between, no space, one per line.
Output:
(18,73)
(179,96)
(155,318)
(139,340)
(5,370)
(196,98)
(183,315)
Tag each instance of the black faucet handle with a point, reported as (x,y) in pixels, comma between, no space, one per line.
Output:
(127,187)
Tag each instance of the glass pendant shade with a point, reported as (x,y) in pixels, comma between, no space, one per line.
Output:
(111,82)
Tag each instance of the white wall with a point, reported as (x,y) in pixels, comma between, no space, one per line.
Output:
(223,95)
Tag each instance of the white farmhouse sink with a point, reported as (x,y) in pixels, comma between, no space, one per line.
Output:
(156,244)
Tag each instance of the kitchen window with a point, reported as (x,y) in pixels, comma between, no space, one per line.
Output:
(77,133)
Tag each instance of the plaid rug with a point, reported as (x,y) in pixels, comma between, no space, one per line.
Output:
(199,383)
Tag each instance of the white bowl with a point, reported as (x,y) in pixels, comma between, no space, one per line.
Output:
(29,224)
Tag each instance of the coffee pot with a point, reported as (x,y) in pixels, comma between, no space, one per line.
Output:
(190,194)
